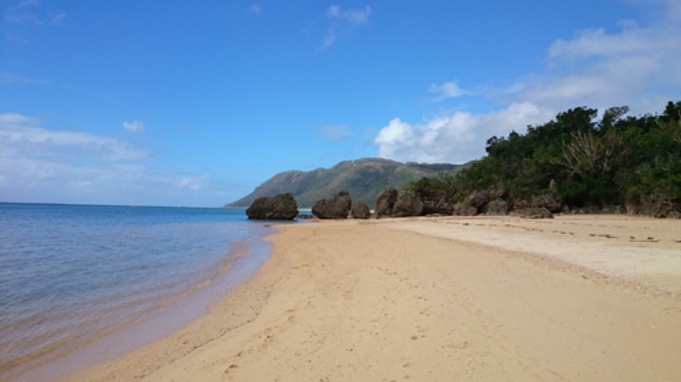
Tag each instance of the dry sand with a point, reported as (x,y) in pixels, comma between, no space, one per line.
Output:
(440,299)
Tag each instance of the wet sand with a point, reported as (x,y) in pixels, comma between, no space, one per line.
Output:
(586,298)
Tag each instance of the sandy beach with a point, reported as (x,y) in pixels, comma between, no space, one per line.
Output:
(576,298)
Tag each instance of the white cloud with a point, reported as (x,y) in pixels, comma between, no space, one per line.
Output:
(192,182)
(447,90)
(25,3)
(134,126)
(344,19)
(635,66)
(352,16)
(334,132)
(456,138)
(19,131)
(41,165)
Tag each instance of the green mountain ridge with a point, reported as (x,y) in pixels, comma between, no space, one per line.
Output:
(363,179)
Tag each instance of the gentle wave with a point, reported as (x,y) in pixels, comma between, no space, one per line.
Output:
(71,274)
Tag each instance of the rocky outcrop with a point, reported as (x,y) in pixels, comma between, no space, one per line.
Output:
(546,201)
(334,207)
(654,205)
(360,211)
(533,213)
(463,209)
(439,207)
(478,199)
(408,203)
(496,208)
(385,202)
(280,207)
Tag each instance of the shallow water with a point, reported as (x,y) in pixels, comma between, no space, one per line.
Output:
(69,274)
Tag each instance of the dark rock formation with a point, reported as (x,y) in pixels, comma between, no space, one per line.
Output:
(408,203)
(533,213)
(437,207)
(654,205)
(546,201)
(464,209)
(280,207)
(334,207)
(360,211)
(478,199)
(496,208)
(385,202)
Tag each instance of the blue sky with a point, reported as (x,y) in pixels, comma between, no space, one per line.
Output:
(196,103)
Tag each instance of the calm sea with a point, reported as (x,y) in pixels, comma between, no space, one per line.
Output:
(70,273)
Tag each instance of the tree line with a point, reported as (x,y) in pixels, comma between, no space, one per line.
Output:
(579,160)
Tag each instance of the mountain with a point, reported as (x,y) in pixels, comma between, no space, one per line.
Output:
(363,179)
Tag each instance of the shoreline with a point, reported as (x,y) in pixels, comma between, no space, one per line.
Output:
(355,299)
(239,265)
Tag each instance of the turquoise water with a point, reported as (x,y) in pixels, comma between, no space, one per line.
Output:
(69,273)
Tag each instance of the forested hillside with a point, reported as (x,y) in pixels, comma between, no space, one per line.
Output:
(581,162)
(363,179)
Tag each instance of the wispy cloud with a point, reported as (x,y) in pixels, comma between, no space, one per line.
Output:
(446,90)
(255,9)
(343,20)
(27,14)
(636,66)
(334,132)
(37,164)
(135,126)
(21,132)
(13,78)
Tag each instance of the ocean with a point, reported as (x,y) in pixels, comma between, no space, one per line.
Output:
(72,274)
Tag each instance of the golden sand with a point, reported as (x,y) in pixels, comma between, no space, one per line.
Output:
(440,299)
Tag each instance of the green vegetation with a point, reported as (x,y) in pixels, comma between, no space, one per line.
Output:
(616,160)
(362,179)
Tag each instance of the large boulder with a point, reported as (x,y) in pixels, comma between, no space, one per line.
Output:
(533,213)
(496,208)
(334,207)
(440,207)
(546,201)
(478,199)
(655,205)
(408,203)
(385,202)
(280,207)
(360,211)
(464,209)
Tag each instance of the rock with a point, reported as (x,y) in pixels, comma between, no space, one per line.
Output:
(478,199)
(334,207)
(408,203)
(496,208)
(464,209)
(437,207)
(656,205)
(533,213)
(280,207)
(385,202)
(360,211)
(610,209)
(546,201)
